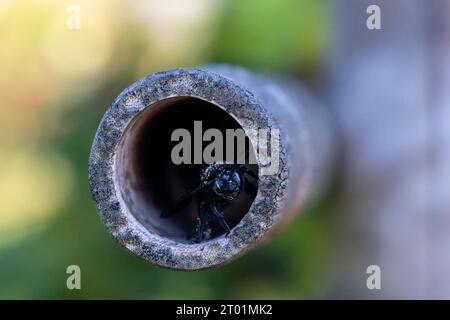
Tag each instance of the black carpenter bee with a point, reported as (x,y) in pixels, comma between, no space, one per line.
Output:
(220,184)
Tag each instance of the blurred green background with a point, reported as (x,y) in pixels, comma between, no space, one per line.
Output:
(55,85)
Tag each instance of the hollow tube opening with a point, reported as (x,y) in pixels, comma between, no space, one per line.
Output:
(150,182)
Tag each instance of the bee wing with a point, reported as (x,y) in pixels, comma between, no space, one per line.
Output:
(181,202)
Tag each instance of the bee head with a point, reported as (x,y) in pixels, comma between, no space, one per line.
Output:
(227,185)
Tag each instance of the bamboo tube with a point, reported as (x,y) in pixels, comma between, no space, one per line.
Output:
(132,177)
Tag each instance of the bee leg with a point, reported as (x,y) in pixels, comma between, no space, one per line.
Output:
(201,221)
(220,218)
(180,203)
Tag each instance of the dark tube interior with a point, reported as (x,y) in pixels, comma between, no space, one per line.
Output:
(150,182)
